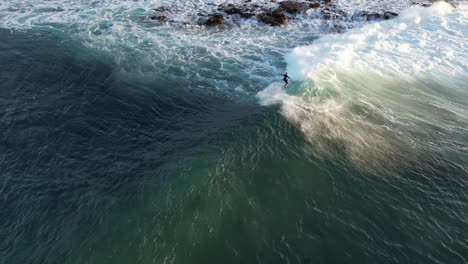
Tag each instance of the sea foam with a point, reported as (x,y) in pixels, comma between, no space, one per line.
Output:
(421,40)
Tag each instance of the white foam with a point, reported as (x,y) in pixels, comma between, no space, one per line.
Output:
(274,94)
(421,40)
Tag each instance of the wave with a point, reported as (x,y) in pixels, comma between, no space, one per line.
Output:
(380,96)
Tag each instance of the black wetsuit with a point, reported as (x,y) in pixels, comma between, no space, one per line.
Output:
(285,78)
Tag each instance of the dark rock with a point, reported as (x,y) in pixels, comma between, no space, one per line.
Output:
(274,18)
(214,20)
(339,28)
(389,15)
(374,16)
(243,11)
(162,9)
(314,5)
(160,18)
(294,7)
(246,14)
(328,13)
(368,16)
(233,10)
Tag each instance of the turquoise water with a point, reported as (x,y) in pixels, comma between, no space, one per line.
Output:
(168,144)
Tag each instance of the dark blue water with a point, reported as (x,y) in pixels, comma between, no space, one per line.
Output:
(97,166)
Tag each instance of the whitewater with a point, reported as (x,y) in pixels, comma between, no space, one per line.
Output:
(368,87)
(130,140)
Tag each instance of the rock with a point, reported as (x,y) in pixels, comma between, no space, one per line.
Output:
(328,13)
(294,7)
(368,16)
(339,28)
(375,16)
(271,12)
(389,15)
(246,14)
(242,11)
(214,20)
(274,18)
(314,5)
(162,9)
(160,18)
(233,10)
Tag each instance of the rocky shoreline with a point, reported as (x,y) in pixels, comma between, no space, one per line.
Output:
(273,12)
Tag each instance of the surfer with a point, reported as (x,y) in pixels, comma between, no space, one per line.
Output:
(285,78)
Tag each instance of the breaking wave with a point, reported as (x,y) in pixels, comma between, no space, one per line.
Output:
(374,95)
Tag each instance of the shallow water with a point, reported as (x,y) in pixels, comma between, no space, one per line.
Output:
(130,142)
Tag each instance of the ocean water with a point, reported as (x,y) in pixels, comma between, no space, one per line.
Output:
(125,140)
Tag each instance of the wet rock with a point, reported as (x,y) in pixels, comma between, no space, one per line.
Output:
(364,15)
(274,18)
(214,20)
(389,15)
(161,13)
(162,9)
(160,17)
(374,16)
(332,13)
(246,14)
(244,11)
(339,28)
(314,5)
(294,7)
(233,10)
(270,12)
